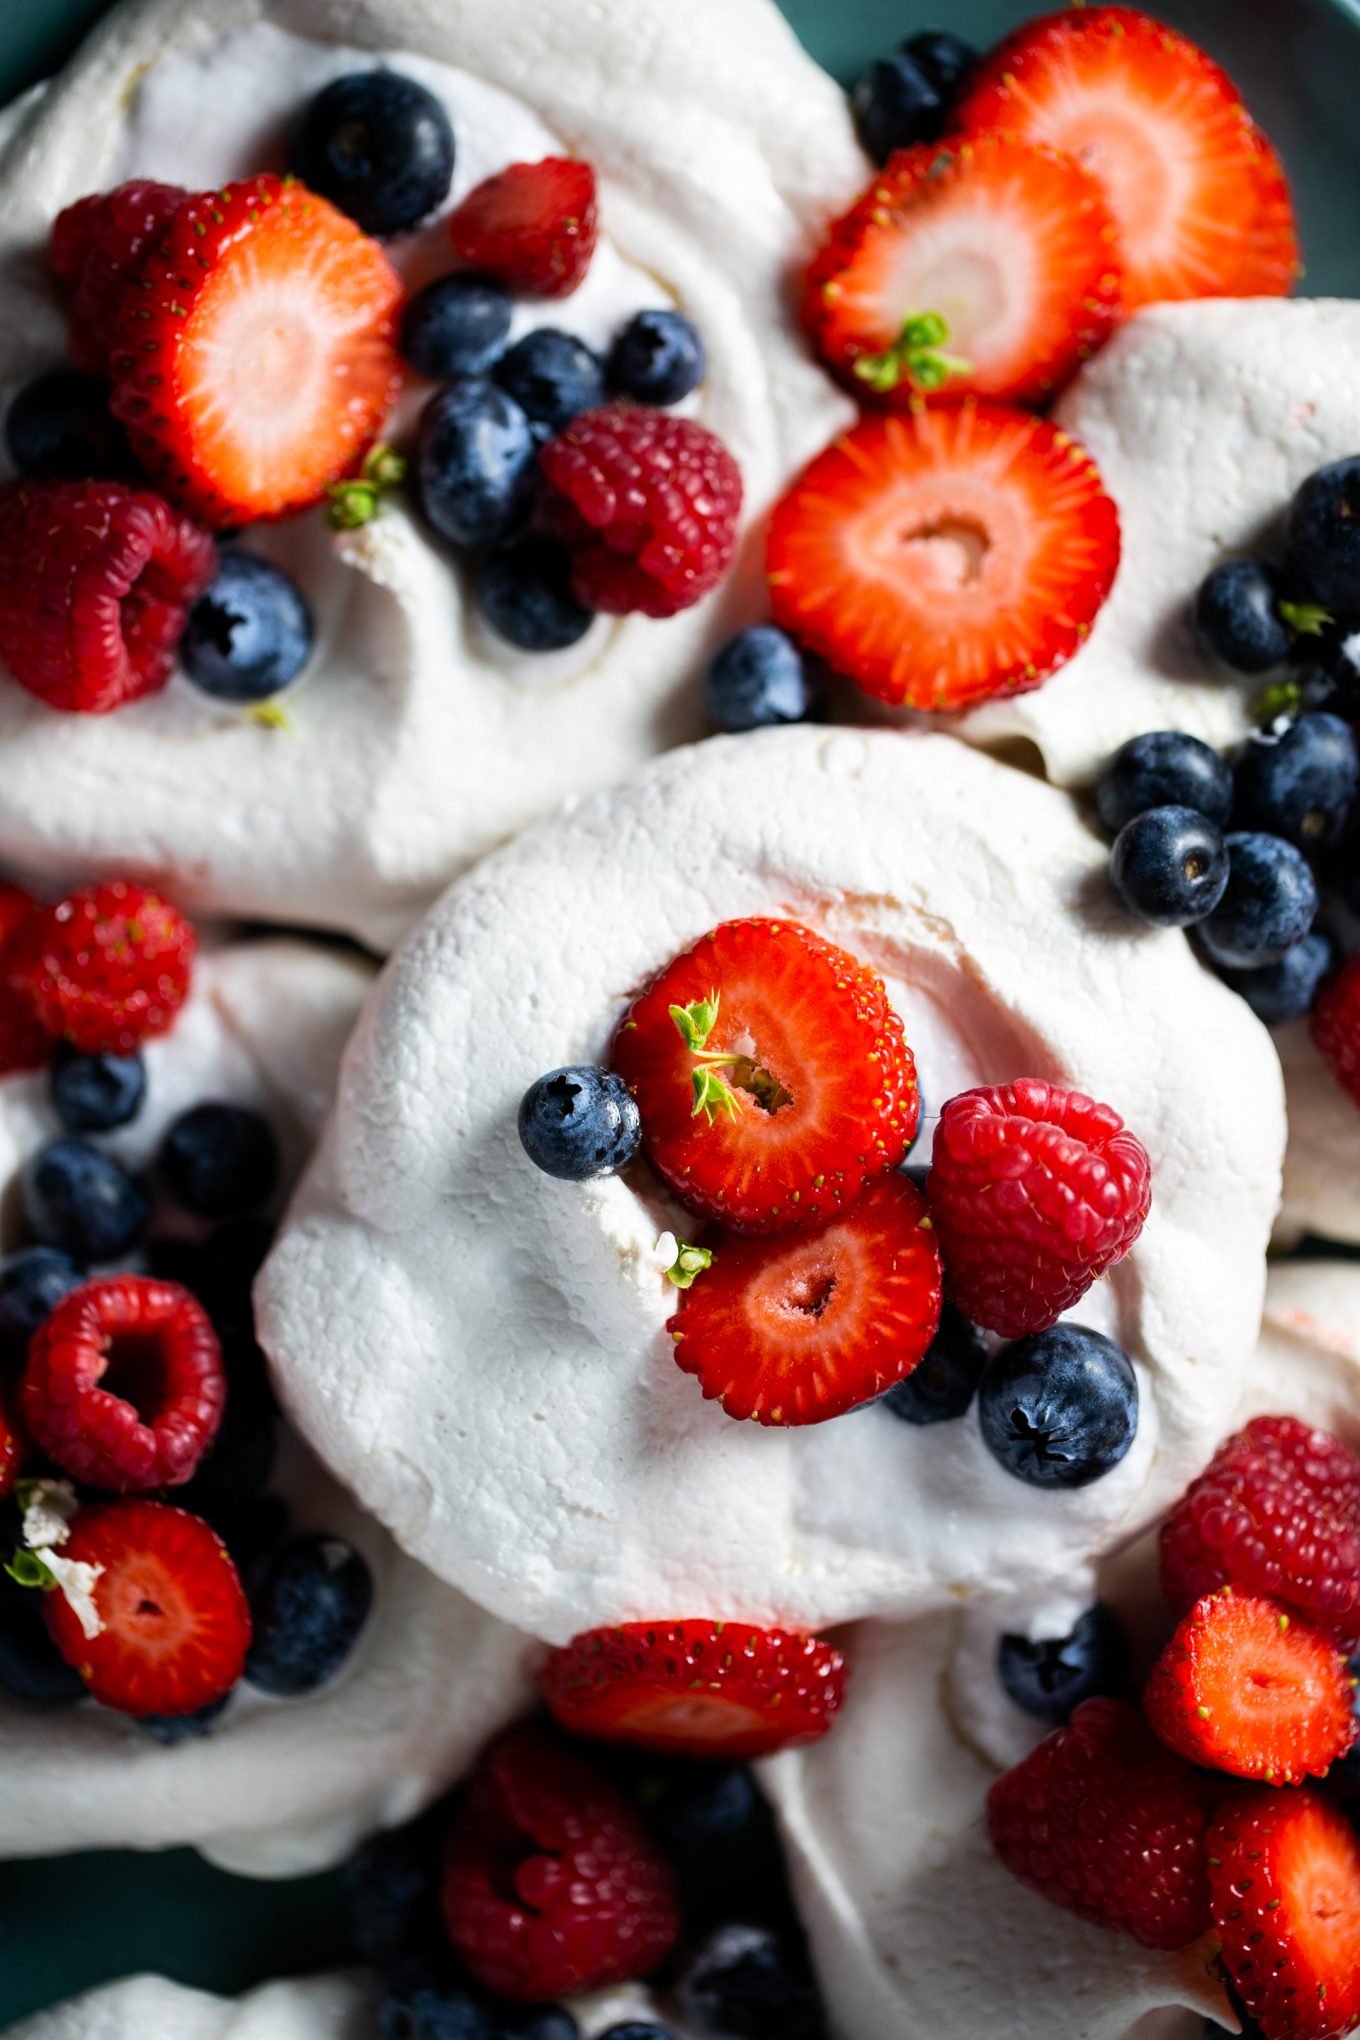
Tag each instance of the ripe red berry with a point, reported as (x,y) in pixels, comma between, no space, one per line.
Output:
(96,581)
(647,504)
(1284,1877)
(13,1444)
(1336,1025)
(97,248)
(533,225)
(551,1883)
(106,967)
(23,1043)
(1035,1192)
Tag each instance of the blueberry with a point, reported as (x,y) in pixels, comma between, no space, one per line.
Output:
(422,2002)
(657,358)
(477,463)
(169,1729)
(1237,616)
(217,1159)
(542,2022)
(95,1093)
(307,1614)
(553,376)
(59,428)
(1267,906)
(1059,1409)
(1322,535)
(942,1387)
(379,146)
(391,1894)
(758,678)
(580,1122)
(250,634)
(1283,991)
(32,1284)
(525,593)
(696,1808)
(31,1667)
(1169,866)
(1050,1676)
(1301,785)
(945,59)
(750,1982)
(458,325)
(83,1202)
(895,104)
(637,2029)
(1165,768)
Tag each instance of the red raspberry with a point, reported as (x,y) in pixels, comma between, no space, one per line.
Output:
(1104,1821)
(533,225)
(97,247)
(1275,1512)
(1284,1875)
(124,1386)
(96,580)
(1336,1025)
(106,968)
(13,1445)
(1035,1192)
(648,505)
(23,1043)
(551,1882)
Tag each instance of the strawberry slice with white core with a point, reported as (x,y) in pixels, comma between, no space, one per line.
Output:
(944,556)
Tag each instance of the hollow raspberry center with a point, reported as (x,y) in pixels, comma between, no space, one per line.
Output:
(134,1371)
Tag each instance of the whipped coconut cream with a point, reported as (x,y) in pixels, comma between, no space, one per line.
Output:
(152,2008)
(279,1787)
(417,740)
(530,1436)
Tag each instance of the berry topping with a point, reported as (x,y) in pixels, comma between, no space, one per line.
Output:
(307,1612)
(175,1623)
(757,679)
(377,145)
(796,1330)
(1104,1821)
(1284,990)
(696,1689)
(1200,204)
(533,226)
(58,429)
(553,376)
(1169,866)
(97,249)
(1238,616)
(1301,785)
(476,463)
(944,556)
(13,1444)
(32,1283)
(525,593)
(218,1160)
(1276,1512)
(941,1388)
(458,325)
(1050,1676)
(1012,242)
(249,634)
(1059,1409)
(96,580)
(1165,768)
(1284,1878)
(551,1882)
(253,359)
(95,1093)
(578,1123)
(749,1980)
(657,358)
(1035,1191)
(124,1386)
(106,967)
(83,1202)
(1321,536)
(23,1041)
(1336,1025)
(896,103)
(648,504)
(1267,906)
(772,1076)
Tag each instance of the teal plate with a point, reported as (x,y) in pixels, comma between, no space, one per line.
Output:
(66,1925)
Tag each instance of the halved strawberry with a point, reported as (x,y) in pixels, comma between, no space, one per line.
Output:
(1284,1882)
(1198,196)
(797,1330)
(697,1688)
(771,1074)
(1246,1687)
(533,225)
(944,556)
(998,250)
(253,359)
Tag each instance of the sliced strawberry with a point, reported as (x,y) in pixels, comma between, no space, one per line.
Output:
(1199,199)
(798,1330)
(771,1074)
(1284,1881)
(253,360)
(943,557)
(994,249)
(696,1689)
(1246,1687)
(533,225)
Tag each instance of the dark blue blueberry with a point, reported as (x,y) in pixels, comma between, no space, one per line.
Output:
(419,2002)
(1301,785)
(1169,866)
(217,1159)
(759,678)
(580,1122)
(169,1729)
(95,1093)
(379,146)
(946,59)
(1050,1676)
(391,1894)
(553,376)
(700,1807)
(526,597)
(1283,991)
(1322,536)
(250,635)
(1268,903)
(748,1981)
(477,463)
(83,1202)
(657,358)
(1237,616)
(31,1667)
(59,428)
(542,2022)
(942,1387)
(895,104)
(32,1284)
(1059,1409)
(458,325)
(1165,768)
(637,2029)
(307,1613)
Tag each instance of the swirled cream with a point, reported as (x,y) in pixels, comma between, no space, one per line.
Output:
(529,1436)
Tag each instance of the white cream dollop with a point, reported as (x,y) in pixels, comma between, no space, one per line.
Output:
(340,2007)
